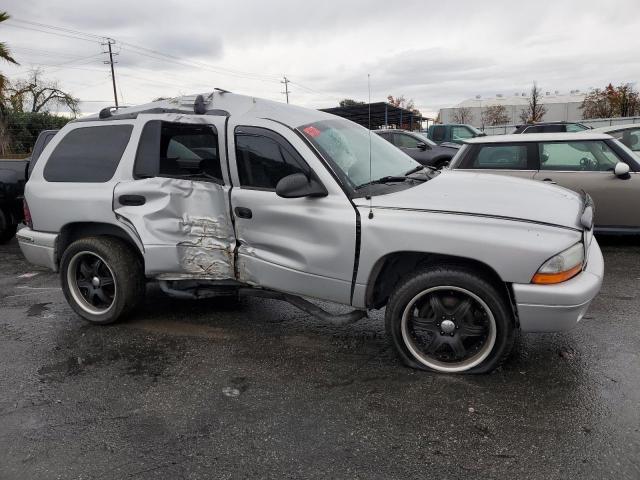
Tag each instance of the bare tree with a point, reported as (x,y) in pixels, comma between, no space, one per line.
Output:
(535,111)
(36,94)
(462,115)
(348,102)
(495,115)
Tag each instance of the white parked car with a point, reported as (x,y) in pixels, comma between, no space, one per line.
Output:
(223,194)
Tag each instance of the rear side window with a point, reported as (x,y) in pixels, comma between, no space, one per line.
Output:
(438,134)
(178,150)
(88,154)
(497,157)
(264,158)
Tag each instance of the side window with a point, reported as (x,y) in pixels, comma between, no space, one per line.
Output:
(553,128)
(533,129)
(461,133)
(406,141)
(438,133)
(178,150)
(575,127)
(88,154)
(499,157)
(592,156)
(264,157)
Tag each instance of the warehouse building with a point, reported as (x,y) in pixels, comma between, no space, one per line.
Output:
(560,107)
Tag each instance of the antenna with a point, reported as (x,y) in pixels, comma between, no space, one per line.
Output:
(370,174)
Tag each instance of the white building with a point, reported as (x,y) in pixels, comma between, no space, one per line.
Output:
(560,107)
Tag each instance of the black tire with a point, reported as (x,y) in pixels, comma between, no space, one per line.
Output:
(8,229)
(497,323)
(113,258)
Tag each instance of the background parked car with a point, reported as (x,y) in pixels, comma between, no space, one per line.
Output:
(420,148)
(551,127)
(628,134)
(594,162)
(13,175)
(452,132)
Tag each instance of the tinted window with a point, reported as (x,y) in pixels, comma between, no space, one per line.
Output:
(178,150)
(406,141)
(552,128)
(511,157)
(438,133)
(386,136)
(535,129)
(88,154)
(577,156)
(263,158)
(461,133)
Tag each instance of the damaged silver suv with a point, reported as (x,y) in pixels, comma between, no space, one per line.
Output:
(222,194)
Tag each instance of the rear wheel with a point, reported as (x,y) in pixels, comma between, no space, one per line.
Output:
(102,279)
(451,320)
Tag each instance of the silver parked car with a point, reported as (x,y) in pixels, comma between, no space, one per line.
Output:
(628,134)
(591,162)
(225,194)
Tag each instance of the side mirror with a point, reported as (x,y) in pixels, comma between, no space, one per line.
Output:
(421,146)
(621,169)
(298,185)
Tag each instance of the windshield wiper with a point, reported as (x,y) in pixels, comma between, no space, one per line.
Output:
(420,167)
(386,179)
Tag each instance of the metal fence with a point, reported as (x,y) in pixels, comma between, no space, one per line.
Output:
(592,122)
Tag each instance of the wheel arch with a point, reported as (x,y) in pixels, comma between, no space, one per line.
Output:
(393,267)
(73,231)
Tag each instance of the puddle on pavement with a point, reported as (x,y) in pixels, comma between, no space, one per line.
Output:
(140,357)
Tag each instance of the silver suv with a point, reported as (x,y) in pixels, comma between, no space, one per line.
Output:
(222,194)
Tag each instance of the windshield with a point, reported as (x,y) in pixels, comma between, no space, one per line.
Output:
(346,145)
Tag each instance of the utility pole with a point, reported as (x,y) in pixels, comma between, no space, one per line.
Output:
(110,42)
(286,87)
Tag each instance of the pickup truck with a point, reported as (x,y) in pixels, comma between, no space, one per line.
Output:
(452,133)
(224,194)
(13,175)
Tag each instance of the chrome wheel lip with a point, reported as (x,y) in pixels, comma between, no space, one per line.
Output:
(72,281)
(439,366)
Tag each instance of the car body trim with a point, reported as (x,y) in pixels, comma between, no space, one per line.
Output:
(470,214)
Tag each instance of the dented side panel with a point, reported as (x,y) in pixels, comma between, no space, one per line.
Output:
(184,225)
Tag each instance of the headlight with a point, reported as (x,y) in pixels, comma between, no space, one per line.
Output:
(561,267)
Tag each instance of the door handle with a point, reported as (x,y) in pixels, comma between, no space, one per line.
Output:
(548,180)
(243,212)
(132,200)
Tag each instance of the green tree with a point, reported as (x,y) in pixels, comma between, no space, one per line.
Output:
(348,102)
(5,55)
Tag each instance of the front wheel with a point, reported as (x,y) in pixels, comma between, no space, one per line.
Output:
(102,279)
(450,320)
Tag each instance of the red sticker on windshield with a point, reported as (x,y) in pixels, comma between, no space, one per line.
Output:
(312,131)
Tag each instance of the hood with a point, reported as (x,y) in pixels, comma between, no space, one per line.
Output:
(461,192)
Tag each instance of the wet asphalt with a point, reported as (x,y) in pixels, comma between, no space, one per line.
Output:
(212,389)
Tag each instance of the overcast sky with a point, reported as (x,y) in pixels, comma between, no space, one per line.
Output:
(438,53)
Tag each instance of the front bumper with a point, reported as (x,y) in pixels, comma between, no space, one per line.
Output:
(38,248)
(554,308)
